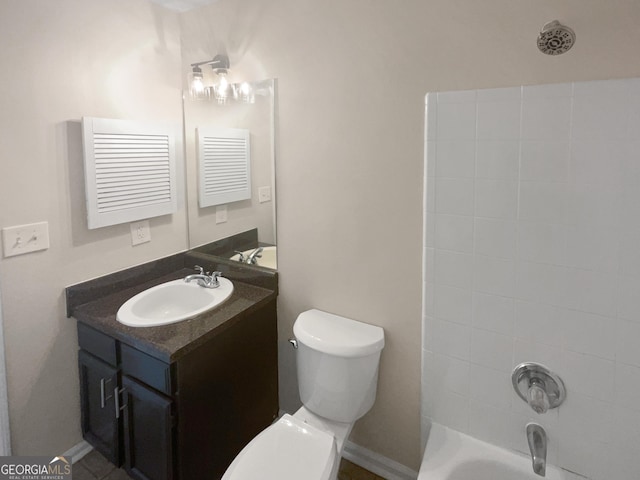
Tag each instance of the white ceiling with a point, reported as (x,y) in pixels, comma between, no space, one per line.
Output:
(183,5)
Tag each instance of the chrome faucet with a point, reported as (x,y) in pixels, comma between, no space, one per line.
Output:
(206,280)
(252,258)
(537,438)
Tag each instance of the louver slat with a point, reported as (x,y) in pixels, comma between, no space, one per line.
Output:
(130,171)
(224,165)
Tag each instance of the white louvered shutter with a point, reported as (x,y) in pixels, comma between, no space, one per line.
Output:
(224,165)
(130,171)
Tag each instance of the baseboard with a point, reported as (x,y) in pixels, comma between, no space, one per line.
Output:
(78,451)
(376,463)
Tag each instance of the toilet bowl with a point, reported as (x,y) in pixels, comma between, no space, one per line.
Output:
(337,364)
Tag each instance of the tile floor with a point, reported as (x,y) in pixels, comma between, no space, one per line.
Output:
(95,467)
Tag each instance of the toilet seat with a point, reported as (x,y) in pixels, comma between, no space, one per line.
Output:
(290,449)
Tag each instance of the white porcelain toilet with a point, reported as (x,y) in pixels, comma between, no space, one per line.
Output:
(337,362)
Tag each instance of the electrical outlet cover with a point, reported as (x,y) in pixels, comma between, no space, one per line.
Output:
(140,232)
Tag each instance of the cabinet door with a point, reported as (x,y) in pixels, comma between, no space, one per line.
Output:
(100,425)
(148,432)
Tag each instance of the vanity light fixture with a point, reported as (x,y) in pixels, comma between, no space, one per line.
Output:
(220,89)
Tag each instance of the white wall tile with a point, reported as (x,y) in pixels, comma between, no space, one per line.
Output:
(489,386)
(454,196)
(592,248)
(628,342)
(538,323)
(431,112)
(585,455)
(493,313)
(456,121)
(594,206)
(498,120)
(579,370)
(496,199)
(596,117)
(546,161)
(457,96)
(451,339)
(497,159)
(543,202)
(539,282)
(427,332)
(456,159)
(488,423)
(626,426)
(450,409)
(499,94)
(454,232)
(494,275)
(495,238)
(597,162)
(542,242)
(630,161)
(547,91)
(588,333)
(491,350)
(578,407)
(589,291)
(627,379)
(448,373)
(430,229)
(429,259)
(546,119)
(453,304)
(606,89)
(454,269)
(630,251)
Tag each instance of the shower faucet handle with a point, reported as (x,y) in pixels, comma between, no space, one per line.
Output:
(538,386)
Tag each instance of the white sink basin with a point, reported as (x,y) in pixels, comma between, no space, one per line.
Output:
(172,302)
(268,259)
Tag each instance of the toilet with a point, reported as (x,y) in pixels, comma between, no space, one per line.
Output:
(337,363)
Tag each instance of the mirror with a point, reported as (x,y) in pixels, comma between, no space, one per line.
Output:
(239,226)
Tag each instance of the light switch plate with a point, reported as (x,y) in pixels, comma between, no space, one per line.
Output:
(140,232)
(221,213)
(25,238)
(264,194)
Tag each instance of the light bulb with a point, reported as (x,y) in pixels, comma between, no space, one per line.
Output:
(221,90)
(246,93)
(196,84)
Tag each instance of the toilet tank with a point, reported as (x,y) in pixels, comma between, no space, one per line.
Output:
(337,366)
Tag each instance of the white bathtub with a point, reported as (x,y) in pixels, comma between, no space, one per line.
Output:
(451,455)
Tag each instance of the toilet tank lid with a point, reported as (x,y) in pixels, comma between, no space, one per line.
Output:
(336,335)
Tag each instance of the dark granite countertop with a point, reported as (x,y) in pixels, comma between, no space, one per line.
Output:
(168,342)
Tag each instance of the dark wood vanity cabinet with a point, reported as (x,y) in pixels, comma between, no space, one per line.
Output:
(185,419)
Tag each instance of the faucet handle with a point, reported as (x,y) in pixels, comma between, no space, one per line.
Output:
(199,269)
(538,386)
(537,397)
(240,256)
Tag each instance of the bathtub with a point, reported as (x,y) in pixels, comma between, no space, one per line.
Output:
(451,455)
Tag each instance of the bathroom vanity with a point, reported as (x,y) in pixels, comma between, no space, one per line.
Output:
(176,401)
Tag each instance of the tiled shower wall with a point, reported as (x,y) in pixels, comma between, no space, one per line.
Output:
(532,253)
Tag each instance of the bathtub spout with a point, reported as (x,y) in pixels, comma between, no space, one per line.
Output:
(537,438)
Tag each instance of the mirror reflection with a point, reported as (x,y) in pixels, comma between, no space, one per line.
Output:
(239,229)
